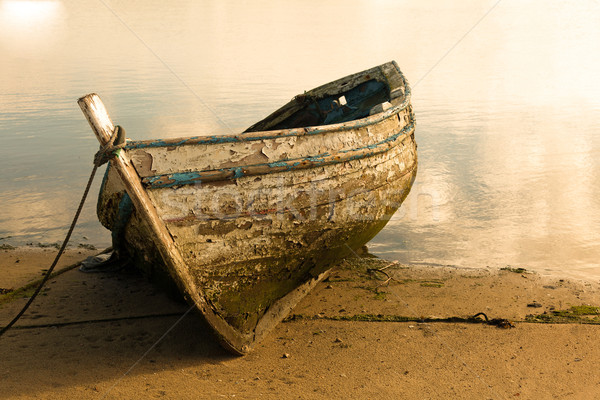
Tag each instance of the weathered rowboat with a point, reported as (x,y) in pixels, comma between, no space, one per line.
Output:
(247,224)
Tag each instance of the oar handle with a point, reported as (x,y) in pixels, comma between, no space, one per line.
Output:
(96,114)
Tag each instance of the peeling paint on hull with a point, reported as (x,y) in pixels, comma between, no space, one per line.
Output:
(259,217)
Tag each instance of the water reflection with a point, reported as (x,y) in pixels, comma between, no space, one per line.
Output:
(29,18)
(527,198)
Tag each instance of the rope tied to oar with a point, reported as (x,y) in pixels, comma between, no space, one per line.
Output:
(111,148)
(106,152)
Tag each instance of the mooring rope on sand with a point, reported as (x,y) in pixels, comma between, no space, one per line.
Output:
(103,155)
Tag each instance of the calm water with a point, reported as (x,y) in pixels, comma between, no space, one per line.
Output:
(508,116)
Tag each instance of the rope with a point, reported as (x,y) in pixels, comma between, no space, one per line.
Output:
(109,150)
(103,155)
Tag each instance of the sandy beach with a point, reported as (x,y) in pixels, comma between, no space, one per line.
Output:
(374,330)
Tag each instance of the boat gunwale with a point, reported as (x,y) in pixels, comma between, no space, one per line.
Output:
(195,177)
(280,133)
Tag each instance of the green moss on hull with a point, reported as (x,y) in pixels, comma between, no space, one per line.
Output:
(244,303)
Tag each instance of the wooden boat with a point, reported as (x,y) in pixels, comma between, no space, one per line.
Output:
(247,224)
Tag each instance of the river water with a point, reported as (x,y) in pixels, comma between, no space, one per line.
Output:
(506,94)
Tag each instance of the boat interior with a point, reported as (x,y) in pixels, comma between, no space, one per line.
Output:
(310,109)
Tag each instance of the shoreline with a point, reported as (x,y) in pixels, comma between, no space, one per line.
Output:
(355,335)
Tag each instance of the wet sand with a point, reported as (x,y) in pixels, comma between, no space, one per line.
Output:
(114,336)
